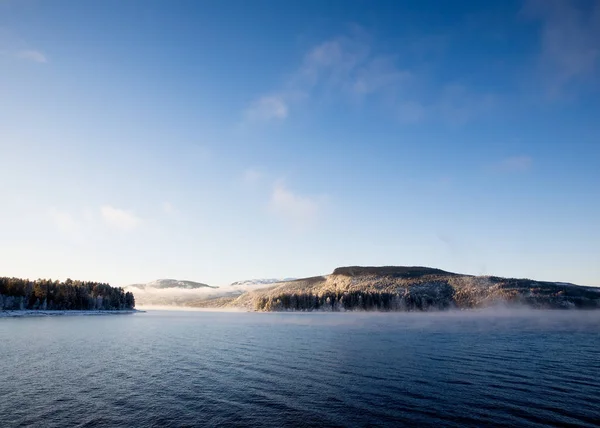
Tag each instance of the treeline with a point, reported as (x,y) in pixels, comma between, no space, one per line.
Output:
(436,296)
(45,294)
(356,301)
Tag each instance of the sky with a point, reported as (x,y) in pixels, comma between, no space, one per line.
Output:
(218,141)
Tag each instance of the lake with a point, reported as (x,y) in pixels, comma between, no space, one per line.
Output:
(176,369)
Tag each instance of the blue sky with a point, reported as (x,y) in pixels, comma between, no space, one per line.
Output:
(224,140)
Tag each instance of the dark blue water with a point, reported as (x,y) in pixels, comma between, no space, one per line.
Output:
(172,369)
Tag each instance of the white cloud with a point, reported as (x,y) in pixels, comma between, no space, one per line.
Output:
(298,210)
(514,164)
(333,63)
(350,68)
(267,108)
(340,53)
(342,66)
(118,218)
(32,55)
(349,64)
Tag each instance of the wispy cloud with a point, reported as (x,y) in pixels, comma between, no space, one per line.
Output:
(272,107)
(32,55)
(514,164)
(350,68)
(379,74)
(344,65)
(333,63)
(570,41)
(349,65)
(118,218)
(80,226)
(298,210)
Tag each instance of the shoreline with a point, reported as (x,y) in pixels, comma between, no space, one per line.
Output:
(493,309)
(27,313)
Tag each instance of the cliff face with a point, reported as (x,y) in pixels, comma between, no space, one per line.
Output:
(393,288)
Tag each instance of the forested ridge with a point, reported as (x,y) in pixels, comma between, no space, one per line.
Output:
(411,288)
(46,294)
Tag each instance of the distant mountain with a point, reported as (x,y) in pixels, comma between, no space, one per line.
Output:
(171,292)
(407,288)
(171,283)
(257,282)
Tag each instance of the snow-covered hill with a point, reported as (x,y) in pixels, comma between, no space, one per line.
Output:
(171,283)
(409,288)
(258,282)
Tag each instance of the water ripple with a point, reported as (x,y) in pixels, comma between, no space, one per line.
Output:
(213,369)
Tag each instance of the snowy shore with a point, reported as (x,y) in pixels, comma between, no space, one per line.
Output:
(32,313)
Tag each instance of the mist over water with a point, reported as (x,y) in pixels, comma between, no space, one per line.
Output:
(510,367)
(177,298)
(174,297)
